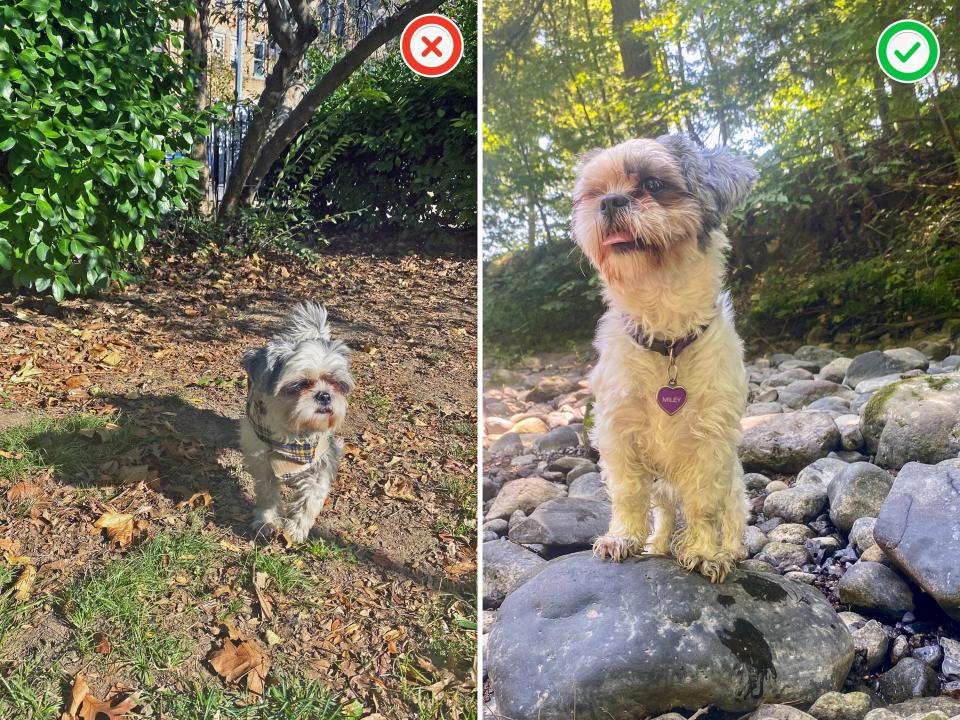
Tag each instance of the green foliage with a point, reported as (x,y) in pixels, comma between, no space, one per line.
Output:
(411,144)
(538,299)
(91,104)
(858,174)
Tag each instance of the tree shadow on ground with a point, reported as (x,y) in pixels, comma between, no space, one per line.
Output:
(194,450)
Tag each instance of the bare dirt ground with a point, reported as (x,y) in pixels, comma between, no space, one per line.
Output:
(124,508)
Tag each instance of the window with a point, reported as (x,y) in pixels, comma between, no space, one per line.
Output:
(219,44)
(259,58)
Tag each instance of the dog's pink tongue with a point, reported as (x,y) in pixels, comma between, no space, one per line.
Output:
(617,239)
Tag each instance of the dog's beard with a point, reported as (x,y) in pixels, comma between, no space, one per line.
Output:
(641,239)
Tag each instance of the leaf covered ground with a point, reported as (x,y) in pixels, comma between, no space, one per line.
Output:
(130,584)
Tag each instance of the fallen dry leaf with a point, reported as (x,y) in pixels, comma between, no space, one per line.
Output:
(24,584)
(400,488)
(85,706)
(119,527)
(101,644)
(132,474)
(259,583)
(241,658)
(75,382)
(200,498)
(9,455)
(22,491)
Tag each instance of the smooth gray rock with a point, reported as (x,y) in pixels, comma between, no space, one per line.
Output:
(499,526)
(909,678)
(917,419)
(913,358)
(836,406)
(550,387)
(754,540)
(780,554)
(567,463)
(803,392)
(590,486)
(763,408)
(782,379)
(931,655)
(787,442)
(947,706)
(918,528)
(876,363)
(799,504)
(821,471)
(581,470)
(835,370)
(779,712)
(861,534)
(951,656)
(871,642)
(645,636)
(523,494)
(575,522)
(875,587)
(841,706)
(870,386)
(858,491)
(508,444)
(851,437)
(557,439)
(506,566)
(794,533)
(755,481)
(822,356)
(759,566)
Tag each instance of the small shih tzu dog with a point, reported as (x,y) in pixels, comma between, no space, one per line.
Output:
(670,384)
(297,388)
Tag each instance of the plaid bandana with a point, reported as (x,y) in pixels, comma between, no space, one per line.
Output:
(289,458)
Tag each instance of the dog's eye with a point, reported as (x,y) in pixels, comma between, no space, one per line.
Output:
(652,185)
(297,387)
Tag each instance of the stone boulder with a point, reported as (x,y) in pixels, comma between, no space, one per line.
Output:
(523,494)
(917,419)
(918,528)
(506,566)
(876,363)
(801,393)
(644,637)
(786,442)
(858,491)
(550,387)
(567,521)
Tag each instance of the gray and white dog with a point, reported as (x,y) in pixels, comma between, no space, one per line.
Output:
(297,388)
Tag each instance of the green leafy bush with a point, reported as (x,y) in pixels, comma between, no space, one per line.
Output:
(409,143)
(91,105)
(539,299)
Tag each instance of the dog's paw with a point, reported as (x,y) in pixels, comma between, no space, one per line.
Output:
(296,531)
(714,567)
(616,548)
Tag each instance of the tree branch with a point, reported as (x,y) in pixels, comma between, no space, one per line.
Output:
(279,28)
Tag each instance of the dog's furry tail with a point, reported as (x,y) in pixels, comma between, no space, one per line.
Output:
(308,321)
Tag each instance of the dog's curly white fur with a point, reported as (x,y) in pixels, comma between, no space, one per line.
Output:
(298,385)
(649,215)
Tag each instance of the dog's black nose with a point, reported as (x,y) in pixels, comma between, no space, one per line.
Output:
(613,202)
(323,397)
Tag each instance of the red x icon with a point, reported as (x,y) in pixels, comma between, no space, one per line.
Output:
(432,46)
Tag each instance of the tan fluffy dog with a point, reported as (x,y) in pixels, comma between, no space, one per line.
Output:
(670,384)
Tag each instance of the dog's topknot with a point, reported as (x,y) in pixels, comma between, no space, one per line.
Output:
(307,321)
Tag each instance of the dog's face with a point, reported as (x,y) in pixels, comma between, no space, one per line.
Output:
(302,380)
(645,204)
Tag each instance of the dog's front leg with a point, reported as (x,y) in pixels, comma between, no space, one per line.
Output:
(714,508)
(309,494)
(267,515)
(629,485)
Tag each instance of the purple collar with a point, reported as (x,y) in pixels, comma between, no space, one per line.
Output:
(664,347)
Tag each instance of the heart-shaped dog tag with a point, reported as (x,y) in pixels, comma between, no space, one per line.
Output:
(671,398)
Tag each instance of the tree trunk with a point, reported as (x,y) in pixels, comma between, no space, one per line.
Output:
(883,104)
(634,52)
(257,156)
(531,221)
(196,31)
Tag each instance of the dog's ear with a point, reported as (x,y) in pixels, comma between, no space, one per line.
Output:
(263,365)
(307,321)
(718,179)
(729,179)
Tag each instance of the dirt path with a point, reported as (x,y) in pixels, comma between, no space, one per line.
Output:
(378,608)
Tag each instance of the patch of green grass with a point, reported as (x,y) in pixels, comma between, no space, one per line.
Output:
(457,527)
(58,444)
(462,490)
(379,404)
(437,357)
(285,570)
(286,697)
(464,429)
(13,613)
(121,602)
(31,691)
(325,550)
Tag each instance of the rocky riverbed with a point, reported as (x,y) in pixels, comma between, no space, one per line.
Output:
(848,607)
